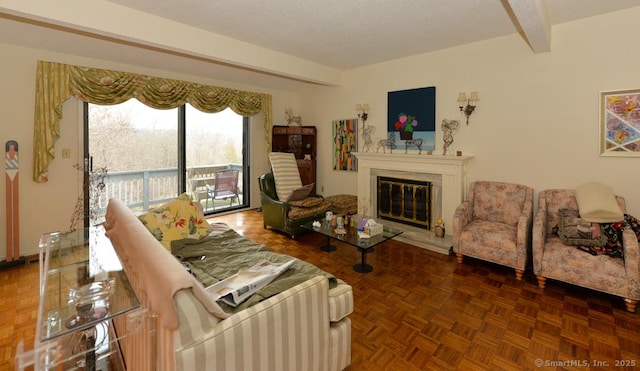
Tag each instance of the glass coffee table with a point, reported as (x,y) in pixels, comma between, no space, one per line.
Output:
(365,245)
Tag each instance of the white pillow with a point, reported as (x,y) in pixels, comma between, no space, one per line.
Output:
(285,173)
(597,203)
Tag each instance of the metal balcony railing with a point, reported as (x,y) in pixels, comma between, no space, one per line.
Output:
(144,189)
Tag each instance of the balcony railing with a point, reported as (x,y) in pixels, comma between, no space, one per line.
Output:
(144,189)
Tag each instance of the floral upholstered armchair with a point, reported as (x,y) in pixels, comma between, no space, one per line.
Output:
(553,258)
(494,224)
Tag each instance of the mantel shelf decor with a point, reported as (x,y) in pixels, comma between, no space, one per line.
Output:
(366,132)
(449,127)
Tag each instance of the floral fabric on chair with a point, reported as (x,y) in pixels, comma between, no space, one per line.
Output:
(494,224)
(553,259)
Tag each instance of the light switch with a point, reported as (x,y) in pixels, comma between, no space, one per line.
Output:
(66,153)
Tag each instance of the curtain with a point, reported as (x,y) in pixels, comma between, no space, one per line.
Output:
(57,82)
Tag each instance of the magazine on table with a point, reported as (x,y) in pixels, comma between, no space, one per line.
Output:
(239,287)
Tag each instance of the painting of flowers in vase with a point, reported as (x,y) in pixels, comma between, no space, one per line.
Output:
(405,125)
(412,114)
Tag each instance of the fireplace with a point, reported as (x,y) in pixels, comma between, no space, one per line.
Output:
(446,176)
(404,201)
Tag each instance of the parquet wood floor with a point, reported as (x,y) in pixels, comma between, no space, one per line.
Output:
(420,310)
(18,310)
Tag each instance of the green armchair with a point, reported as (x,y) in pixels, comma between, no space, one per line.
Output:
(288,217)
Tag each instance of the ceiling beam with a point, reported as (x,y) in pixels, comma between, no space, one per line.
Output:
(104,19)
(533,21)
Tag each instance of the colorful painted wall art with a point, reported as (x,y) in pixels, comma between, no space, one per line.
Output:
(620,123)
(345,143)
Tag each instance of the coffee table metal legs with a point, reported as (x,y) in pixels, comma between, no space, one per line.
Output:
(363,267)
(328,247)
(351,238)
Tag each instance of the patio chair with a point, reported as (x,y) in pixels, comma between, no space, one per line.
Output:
(225,187)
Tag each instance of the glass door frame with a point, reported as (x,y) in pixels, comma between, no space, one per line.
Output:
(181,162)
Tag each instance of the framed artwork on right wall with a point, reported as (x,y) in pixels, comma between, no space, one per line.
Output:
(620,123)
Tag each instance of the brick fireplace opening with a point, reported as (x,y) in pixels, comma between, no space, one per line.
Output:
(404,201)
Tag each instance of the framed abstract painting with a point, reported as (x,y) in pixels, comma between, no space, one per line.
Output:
(620,123)
(411,116)
(345,143)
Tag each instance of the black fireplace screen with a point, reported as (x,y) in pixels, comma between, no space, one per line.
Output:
(405,201)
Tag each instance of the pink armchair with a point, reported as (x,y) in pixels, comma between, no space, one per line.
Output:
(553,259)
(494,224)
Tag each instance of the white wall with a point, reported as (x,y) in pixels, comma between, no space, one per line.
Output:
(537,122)
(46,207)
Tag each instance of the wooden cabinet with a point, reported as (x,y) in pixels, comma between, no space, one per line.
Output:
(301,141)
(307,169)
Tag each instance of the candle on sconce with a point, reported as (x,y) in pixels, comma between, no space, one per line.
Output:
(362,110)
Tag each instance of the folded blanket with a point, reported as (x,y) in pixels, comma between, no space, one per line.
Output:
(227,242)
(219,256)
(613,232)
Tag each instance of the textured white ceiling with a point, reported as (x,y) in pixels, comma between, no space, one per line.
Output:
(352,33)
(295,41)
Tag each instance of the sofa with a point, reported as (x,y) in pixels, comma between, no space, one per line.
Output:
(305,327)
(559,258)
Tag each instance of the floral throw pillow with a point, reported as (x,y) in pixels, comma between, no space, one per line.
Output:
(176,220)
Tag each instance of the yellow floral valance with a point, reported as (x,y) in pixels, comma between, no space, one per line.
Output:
(57,82)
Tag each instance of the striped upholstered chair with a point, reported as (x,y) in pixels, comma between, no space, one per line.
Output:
(286,203)
(494,224)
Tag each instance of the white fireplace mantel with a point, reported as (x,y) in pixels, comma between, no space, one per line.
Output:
(452,169)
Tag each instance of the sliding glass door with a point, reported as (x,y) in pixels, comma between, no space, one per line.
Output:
(215,153)
(146,156)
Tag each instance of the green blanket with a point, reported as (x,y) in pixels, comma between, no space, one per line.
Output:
(219,256)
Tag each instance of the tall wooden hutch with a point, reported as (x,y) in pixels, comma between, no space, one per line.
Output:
(301,141)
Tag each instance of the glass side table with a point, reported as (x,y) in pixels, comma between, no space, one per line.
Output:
(83,288)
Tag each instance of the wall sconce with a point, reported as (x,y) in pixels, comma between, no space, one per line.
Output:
(470,103)
(363,112)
